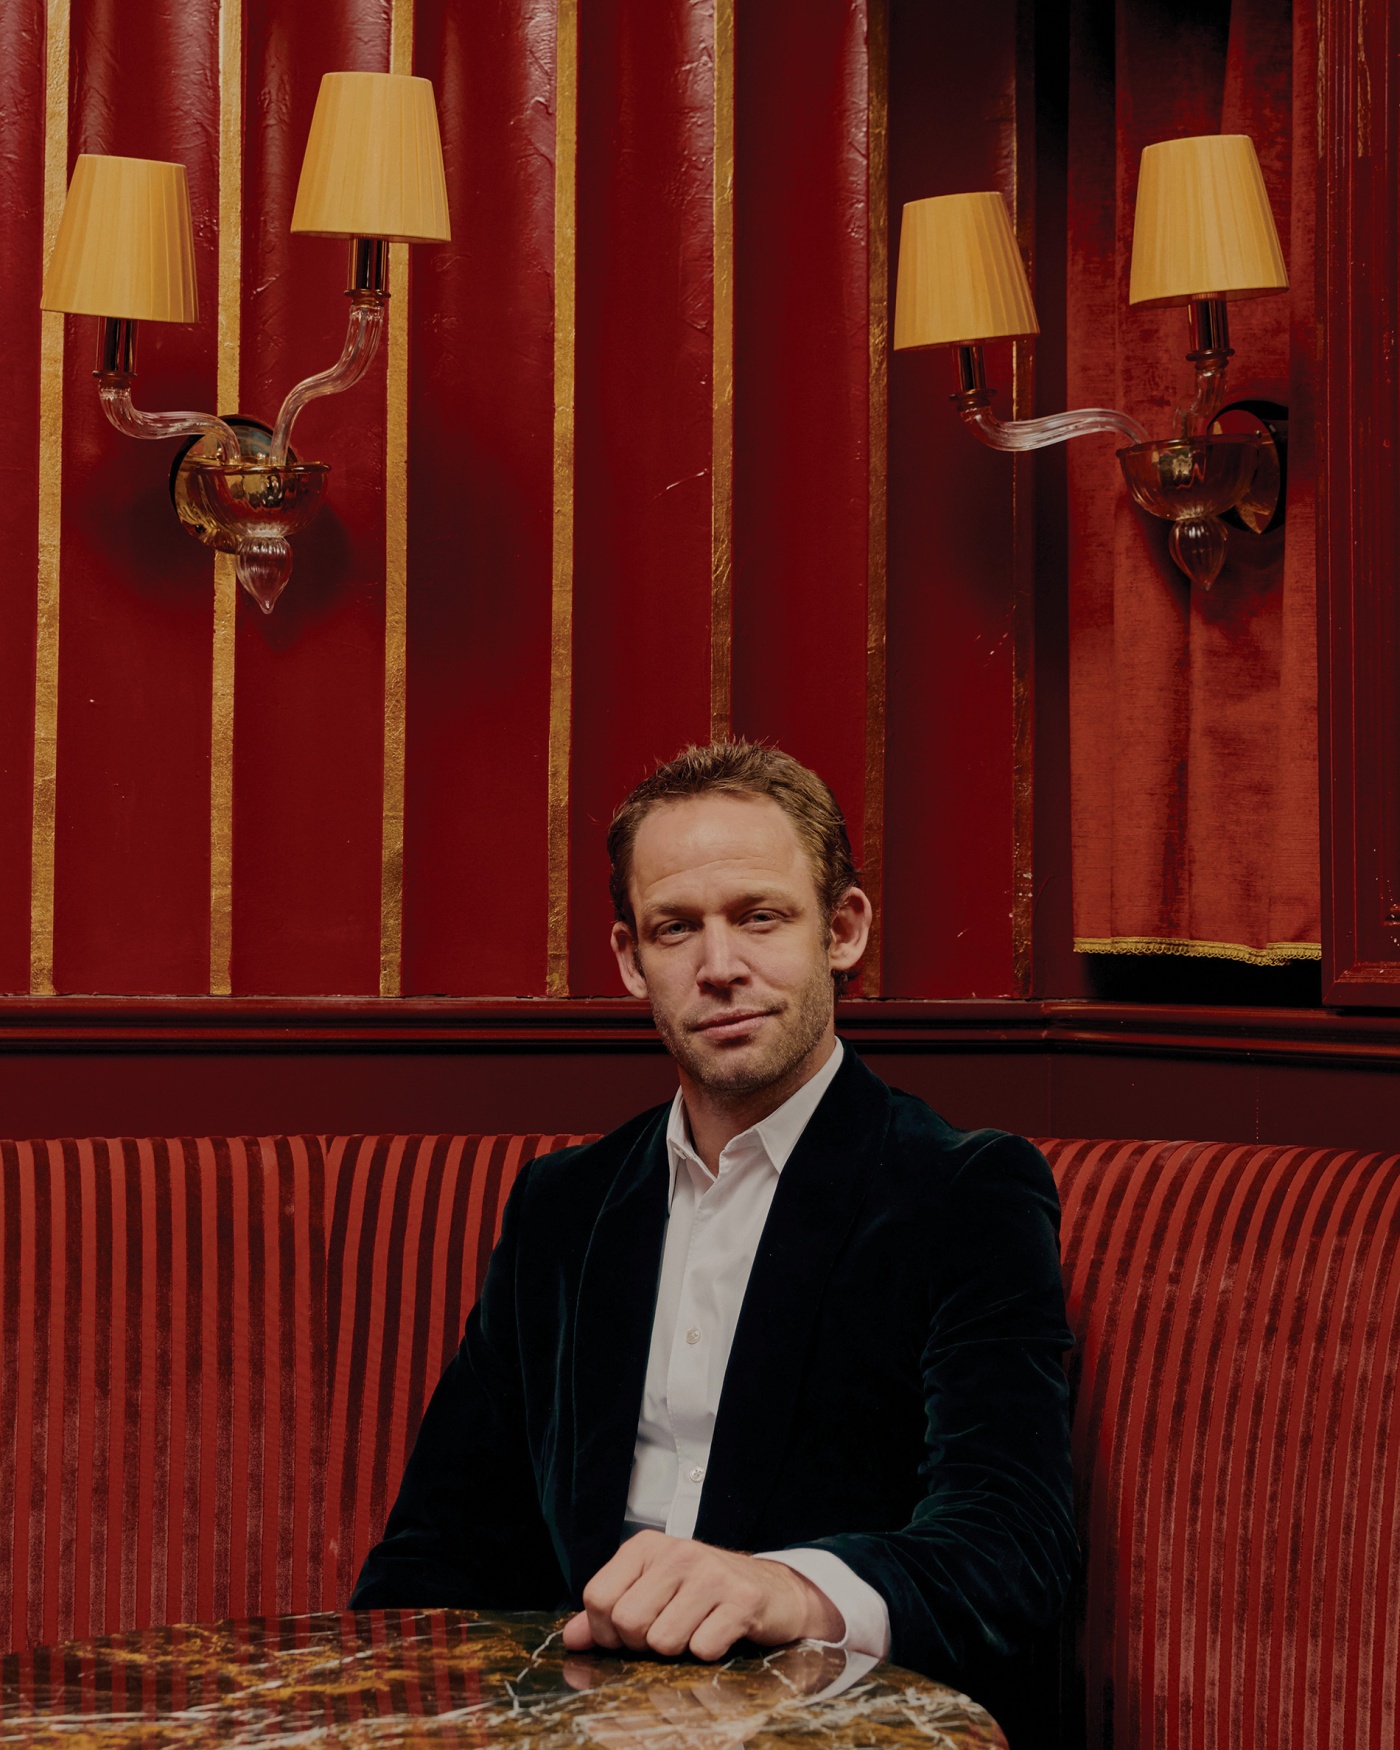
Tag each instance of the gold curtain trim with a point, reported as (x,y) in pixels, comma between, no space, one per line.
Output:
(1273,954)
(561,635)
(228,395)
(43,816)
(722,439)
(877,299)
(395,576)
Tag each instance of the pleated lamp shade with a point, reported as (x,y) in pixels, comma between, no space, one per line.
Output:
(1203,228)
(373,164)
(960,274)
(125,244)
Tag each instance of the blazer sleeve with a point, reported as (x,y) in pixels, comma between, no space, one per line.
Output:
(988,1556)
(467,1530)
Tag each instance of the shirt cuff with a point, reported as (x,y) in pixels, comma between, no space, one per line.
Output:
(866,1615)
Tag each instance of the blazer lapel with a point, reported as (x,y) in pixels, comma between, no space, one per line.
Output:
(612,1337)
(819,1192)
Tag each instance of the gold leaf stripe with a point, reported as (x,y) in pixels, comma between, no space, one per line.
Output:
(561,637)
(228,396)
(877,202)
(1272,954)
(50,518)
(395,577)
(722,444)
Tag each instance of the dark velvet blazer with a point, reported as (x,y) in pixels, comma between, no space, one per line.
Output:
(895,1392)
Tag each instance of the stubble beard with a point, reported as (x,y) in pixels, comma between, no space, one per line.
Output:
(743,1074)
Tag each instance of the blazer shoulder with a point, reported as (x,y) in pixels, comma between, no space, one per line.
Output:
(923,1140)
(585,1171)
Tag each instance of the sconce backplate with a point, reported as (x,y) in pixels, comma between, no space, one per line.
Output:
(1263,504)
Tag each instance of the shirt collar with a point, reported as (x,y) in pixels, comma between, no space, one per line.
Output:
(775,1136)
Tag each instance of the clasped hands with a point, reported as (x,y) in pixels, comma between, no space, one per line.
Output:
(666,1594)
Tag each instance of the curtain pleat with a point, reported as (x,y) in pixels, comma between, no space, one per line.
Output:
(1193,712)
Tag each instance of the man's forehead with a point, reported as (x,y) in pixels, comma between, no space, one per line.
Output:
(715,833)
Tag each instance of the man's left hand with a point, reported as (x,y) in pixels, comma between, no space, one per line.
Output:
(664,1594)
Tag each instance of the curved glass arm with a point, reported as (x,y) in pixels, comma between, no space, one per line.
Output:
(114,392)
(366,320)
(1053,428)
(1194,416)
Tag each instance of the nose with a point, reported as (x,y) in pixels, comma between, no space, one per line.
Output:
(721,962)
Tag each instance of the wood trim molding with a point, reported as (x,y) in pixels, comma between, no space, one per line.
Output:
(1358,249)
(331,1024)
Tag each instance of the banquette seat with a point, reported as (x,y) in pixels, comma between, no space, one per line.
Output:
(216,1352)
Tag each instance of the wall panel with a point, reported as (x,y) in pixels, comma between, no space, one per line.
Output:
(309,703)
(131,853)
(22,58)
(480,497)
(949,799)
(643,422)
(624,535)
(801,414)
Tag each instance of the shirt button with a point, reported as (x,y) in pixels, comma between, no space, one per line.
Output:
(693,1334)
(697,1473)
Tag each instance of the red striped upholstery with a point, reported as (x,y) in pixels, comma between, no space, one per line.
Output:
(411,1222)
(162,1382)
(215,1355)
(1238,1318)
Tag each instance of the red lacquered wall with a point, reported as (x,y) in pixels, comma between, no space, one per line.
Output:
(641,458)
(131,851)
(309,690)
(21,247)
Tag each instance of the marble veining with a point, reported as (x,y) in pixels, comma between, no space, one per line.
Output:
(446,1678)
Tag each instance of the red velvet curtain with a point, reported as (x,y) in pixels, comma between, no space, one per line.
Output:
(1193,712)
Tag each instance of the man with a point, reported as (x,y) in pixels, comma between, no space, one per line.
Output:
(792,1313)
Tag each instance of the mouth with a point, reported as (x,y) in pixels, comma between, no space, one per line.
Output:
(731,1025)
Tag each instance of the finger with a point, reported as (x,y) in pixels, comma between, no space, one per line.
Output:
(577,1635)
(694,1593)
(609,1584)
(716,1634)
(636,1612)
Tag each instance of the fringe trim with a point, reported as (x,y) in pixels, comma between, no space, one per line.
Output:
(1273,954)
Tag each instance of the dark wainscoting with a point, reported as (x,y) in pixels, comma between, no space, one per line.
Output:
(113,1066)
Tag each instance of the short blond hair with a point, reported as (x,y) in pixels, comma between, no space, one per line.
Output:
(739,768)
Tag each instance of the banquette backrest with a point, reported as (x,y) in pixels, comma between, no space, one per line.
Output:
(216,1353)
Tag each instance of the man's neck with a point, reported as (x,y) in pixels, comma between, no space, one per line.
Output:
(717,1117)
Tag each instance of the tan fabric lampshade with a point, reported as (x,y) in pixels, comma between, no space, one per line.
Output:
(373,164)
(1203,228)
(960,274)
(125,244)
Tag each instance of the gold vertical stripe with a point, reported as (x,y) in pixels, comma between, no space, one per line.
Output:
(722,444)
(50,518)
(561,636)
(395,577)
(228,396)
(877,206)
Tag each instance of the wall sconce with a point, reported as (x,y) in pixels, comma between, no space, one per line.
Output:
(373,173)
(1203,233)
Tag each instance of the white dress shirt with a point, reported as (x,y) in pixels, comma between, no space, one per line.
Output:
(712,1234)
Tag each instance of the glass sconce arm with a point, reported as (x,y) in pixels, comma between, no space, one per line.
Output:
(1208,322)
(1054,428)
(115,394)
(361,340)
(973,400)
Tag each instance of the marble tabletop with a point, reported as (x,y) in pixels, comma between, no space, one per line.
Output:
(448,1677)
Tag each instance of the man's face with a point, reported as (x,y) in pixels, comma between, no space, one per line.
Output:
(733,947)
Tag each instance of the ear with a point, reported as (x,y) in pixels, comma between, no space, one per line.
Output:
(850,930)
(624,947)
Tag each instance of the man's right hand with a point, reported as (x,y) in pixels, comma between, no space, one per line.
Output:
(667,1594)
